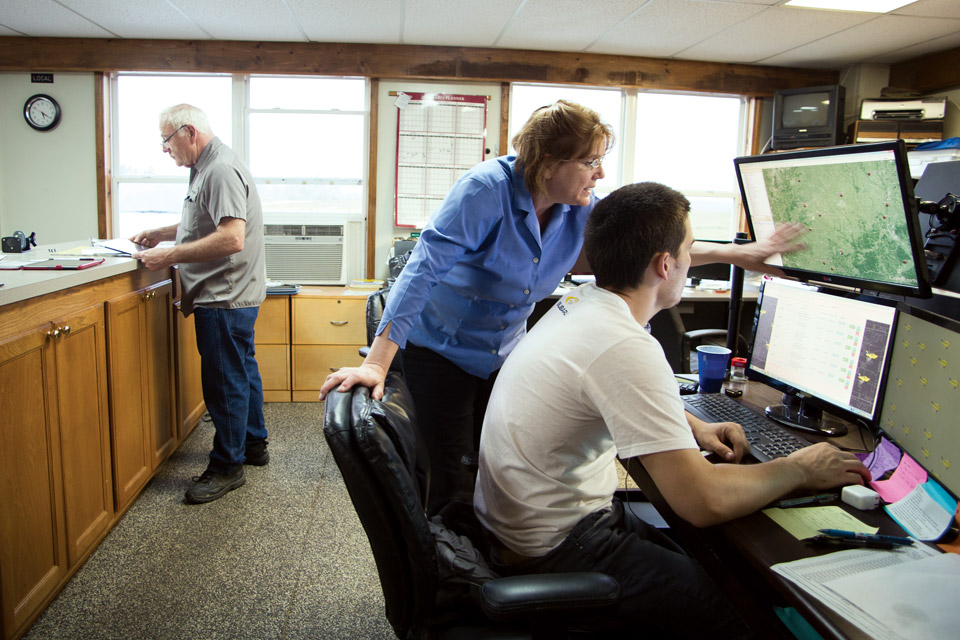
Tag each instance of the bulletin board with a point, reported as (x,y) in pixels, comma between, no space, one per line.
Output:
(439,137)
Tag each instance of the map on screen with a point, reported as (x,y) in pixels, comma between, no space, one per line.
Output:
(857,206)
(853,214)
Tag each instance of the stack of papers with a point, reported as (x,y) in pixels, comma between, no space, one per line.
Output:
(908,594)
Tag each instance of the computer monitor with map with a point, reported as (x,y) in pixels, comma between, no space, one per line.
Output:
(826,351)
(859,210)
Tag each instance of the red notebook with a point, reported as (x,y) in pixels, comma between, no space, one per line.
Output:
(64,263)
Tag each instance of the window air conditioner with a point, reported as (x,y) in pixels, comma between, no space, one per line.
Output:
(299,251)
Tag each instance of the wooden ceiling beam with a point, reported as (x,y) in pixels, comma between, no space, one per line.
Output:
(400,61)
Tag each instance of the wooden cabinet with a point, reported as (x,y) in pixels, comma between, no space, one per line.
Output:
(328,330)
(142,411)
(190,405)
(55,483)
(272,341)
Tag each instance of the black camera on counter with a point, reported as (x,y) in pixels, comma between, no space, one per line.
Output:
(18,242)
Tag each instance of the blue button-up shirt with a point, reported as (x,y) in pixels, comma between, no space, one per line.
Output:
(480,266)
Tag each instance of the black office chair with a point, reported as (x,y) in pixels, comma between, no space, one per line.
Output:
(376,302)
(435,582)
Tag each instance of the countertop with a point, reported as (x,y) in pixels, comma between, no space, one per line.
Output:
(22,285)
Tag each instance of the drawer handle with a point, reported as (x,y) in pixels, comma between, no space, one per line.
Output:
(339,323)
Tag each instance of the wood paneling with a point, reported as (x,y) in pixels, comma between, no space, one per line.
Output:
(401,61)
(929,73)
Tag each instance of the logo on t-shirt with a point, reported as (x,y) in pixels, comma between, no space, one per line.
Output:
(564,303)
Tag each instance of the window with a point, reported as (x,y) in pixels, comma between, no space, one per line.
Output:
(608,103)
(688,142)
(682,140)
(304,139)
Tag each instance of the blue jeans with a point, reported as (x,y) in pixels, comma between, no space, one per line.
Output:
(232,389)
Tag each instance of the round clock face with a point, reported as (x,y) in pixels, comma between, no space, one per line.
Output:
(41,112)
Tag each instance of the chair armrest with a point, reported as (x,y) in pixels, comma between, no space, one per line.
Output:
(521,597)
(364,351)
(698,334)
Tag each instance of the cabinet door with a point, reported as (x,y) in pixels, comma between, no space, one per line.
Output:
(158,307)
(129,399)
(273,321)
(32,550)
(189,389)
(81,376)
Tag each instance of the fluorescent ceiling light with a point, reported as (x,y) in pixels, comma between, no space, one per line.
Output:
(866,6)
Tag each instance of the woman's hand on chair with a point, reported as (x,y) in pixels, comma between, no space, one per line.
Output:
(367,375)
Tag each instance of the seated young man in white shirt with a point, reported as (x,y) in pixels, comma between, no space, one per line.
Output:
(587,384)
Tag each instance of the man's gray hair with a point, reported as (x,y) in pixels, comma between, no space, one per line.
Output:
(184,114)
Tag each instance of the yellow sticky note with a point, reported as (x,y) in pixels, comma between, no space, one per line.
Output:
(806,522)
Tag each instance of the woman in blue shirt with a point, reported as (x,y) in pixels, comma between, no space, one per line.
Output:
(504,237)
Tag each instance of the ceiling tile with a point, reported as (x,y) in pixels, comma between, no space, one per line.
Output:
(48,19)
(137,18)
(374,21)
(863,42)
(773,31)
(243,19)
(951,41)
(662,28)
(456,23)
(565,25)
(931,9)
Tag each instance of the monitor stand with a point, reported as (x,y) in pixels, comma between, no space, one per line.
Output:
(793,412)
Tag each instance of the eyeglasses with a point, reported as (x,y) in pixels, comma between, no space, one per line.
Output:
(169,137)
(590,164)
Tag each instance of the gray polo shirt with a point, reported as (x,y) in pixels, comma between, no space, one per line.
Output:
(221,186)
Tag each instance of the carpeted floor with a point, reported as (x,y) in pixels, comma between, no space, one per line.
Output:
(283,557)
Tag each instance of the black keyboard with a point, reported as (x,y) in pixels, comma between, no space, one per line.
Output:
(767,439)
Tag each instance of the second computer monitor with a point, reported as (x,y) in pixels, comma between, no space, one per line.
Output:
(857,206)
(829,350)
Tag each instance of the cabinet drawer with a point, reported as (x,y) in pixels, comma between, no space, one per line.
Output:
(312,364)
(329,321)
(273,321)
(273,361)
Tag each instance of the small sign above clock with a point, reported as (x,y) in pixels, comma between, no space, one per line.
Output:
(41,78)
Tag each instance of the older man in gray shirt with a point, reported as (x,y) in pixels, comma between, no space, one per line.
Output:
(219,247)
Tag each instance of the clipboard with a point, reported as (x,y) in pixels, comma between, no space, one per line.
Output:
(122,246)
(64,263)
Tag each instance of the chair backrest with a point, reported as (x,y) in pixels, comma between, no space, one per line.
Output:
(376,302)
(376,446)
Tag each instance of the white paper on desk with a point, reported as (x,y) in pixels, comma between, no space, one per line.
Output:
(918,599)
(923,512)
(811,574)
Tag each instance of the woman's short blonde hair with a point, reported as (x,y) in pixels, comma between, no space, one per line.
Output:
(560,131)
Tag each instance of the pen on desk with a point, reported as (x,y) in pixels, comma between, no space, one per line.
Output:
(874,537)
(796,502)
(850,543)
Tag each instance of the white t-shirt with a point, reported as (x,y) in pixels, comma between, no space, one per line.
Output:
(586,384)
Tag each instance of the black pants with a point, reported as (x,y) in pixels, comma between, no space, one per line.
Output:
(663,592)
(450,404)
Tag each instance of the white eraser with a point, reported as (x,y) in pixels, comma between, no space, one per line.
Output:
(860,497)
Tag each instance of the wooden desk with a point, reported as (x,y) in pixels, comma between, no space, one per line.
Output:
(758,542)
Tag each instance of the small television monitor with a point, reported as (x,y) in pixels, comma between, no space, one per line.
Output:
(922,400)
(809,117)
(858,207)
(827,351)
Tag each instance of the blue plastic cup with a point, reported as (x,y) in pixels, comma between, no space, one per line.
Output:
(712,367)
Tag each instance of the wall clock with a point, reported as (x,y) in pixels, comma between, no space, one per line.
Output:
(41,112)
